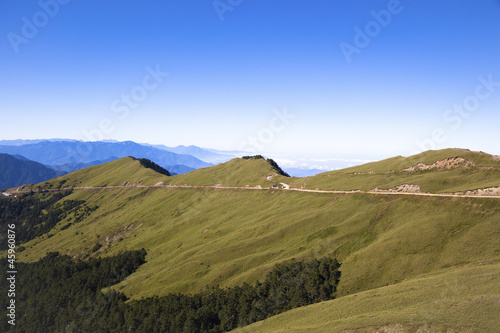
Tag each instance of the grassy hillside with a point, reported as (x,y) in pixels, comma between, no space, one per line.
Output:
(480,170)
(121,171)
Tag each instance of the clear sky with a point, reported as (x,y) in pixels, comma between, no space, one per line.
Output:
(327,77)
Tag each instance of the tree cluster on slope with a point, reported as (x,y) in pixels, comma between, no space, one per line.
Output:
(153,166)
(273,163)
(58,294)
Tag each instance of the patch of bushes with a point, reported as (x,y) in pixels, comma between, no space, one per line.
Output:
(273,164)
(35,214)
(96,247)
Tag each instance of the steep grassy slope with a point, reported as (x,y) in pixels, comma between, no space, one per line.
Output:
(124,170)
(479,170)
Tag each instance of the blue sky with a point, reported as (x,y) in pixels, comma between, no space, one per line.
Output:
(276,77)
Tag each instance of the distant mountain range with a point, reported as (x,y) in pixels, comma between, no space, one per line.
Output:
(70,167)
(59,156)
(21,142)
(45,159)
(297,172)
(206,155)
(68,154)
(17,170)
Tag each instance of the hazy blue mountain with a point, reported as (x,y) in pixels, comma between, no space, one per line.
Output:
(20,157)
(297,172)
(21,142)
(16,171)
(236,153)
(70,167)
(207,155)
(69,152)
(178,169)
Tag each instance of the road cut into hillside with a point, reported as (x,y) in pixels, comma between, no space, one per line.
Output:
(404,189)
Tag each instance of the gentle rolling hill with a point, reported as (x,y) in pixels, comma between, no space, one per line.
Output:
(449,170)
(237,172)
(124,171)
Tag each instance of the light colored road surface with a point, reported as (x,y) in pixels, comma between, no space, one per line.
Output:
(285,187)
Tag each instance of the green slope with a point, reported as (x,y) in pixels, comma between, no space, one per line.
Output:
(482,172)
(126,170)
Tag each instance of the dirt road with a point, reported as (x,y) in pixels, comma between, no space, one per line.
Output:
(285,187)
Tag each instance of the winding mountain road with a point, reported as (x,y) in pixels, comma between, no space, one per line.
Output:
(285,187)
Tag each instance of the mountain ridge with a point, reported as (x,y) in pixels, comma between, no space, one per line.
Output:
(473,175)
